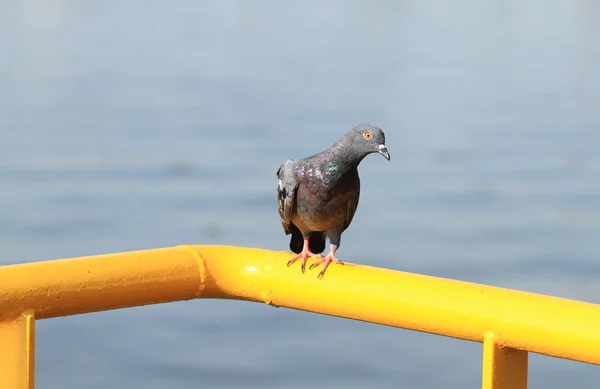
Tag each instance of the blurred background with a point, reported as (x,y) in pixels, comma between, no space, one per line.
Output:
(142,124)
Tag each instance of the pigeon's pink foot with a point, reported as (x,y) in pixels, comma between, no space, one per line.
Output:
(304,255)
(326,260)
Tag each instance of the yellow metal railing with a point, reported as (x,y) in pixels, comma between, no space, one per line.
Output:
(509,323)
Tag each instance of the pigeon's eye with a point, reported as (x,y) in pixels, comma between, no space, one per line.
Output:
(368,135)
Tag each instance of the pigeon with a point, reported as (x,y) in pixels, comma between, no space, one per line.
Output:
(318,195)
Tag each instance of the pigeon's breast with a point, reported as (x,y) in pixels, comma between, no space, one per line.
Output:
(322,206)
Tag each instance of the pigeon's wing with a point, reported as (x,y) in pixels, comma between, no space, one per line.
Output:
(352,205)
(286,194)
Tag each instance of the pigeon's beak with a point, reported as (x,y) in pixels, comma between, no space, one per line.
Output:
(383,151)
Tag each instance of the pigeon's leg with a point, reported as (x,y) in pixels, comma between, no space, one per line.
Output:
(326,260)
(304,255)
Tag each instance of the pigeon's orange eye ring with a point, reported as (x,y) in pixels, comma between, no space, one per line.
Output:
(368,135)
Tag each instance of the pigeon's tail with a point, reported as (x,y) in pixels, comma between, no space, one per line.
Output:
(316,242)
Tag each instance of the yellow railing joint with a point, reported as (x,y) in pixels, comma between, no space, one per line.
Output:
(17,351)
(503,367)
(197,255)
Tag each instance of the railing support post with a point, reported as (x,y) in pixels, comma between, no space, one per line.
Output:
(17,350)
(503,367)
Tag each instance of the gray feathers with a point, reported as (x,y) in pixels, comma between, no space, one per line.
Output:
(286,191)
(352,205)
(319,195)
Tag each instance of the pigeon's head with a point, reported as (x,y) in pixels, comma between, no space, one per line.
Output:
(368,139)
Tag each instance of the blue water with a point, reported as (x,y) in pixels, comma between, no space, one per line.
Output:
(141,124)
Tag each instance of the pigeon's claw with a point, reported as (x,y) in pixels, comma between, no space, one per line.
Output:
(304,255)
(326,260)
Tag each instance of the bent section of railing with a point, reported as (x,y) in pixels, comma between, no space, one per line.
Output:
(509,323)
